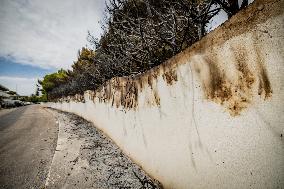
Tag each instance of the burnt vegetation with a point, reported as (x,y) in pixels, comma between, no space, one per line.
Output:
(138,35)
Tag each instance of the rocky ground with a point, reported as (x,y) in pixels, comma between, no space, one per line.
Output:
(86,158)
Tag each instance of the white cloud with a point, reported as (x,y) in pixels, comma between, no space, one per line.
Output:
(23,86)
(47,33)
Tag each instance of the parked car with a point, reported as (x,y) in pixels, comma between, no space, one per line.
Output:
(8,103)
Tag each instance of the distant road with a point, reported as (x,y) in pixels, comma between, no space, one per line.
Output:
(28,137)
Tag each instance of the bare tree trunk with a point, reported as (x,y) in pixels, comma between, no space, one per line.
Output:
(199,24)
(233,6)
(244,4)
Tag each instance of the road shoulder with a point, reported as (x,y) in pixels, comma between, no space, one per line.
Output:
(86,158)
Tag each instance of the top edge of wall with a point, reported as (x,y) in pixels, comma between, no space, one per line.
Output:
(245,20)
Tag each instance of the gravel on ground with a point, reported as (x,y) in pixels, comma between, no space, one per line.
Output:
(91,160)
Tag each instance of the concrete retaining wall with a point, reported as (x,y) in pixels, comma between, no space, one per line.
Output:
(210,117)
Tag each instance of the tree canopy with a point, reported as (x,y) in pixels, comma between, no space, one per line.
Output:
(138,35)
(3,88)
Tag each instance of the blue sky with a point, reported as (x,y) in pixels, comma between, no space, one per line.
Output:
(19,77)
(15,69)
(38,37)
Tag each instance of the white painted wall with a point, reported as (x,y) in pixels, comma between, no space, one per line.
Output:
(190,141)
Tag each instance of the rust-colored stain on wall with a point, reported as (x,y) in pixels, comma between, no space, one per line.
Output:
(75,98)
(234,93)
(216,83)
(264,84)
(124,91)
(264,88)
(170,77)
(169,73)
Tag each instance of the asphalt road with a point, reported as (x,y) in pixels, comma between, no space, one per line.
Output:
(28,137)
